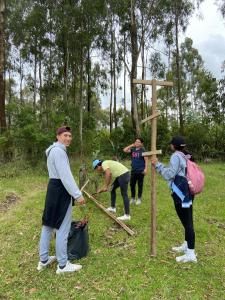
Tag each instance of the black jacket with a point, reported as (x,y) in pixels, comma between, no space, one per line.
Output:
(56,204)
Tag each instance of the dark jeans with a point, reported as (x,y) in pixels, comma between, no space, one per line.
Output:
(186,217)
(122,182)
(136,178)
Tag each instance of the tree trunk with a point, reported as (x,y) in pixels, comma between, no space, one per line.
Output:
(2,68)
(181,121)
(88,81)
(40,85)
(81,102)
(143,72)
(21,79)
(111,81)
(114,81)
(133,75)
(65,72)
(35,78)
(10,96)
(124,74)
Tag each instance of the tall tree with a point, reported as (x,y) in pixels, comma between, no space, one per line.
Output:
(2,67)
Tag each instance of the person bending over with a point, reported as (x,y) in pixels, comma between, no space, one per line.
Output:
(113,170)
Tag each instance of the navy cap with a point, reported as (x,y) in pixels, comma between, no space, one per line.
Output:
(178,141)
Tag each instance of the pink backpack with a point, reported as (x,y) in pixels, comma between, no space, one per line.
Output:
(195,176)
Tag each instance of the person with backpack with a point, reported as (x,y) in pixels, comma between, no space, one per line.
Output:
(57,215)
(114,170)
(175,174)
(139,168)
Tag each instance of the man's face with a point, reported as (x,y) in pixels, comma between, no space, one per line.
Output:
(65,138)
(99,169)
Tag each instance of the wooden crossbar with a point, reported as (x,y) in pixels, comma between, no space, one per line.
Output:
(150,153)
(155,115)
(149,82)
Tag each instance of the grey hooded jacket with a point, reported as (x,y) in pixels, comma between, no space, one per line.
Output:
(59,168)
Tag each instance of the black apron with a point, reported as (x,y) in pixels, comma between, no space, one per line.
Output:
(56,204)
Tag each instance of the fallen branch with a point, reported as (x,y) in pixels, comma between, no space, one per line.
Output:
(124,226)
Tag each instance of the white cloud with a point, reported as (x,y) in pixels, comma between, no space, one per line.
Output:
(208,35)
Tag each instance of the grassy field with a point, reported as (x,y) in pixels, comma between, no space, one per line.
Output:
(118,266)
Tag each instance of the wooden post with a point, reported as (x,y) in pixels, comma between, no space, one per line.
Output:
(153,118)
(153,172)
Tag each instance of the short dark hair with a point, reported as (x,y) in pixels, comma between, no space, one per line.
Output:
(140,139)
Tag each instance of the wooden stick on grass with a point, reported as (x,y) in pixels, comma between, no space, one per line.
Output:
(124,226)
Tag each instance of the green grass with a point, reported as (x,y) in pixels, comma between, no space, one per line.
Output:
(118,266)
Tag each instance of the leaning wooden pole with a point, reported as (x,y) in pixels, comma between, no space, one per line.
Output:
(124,226)
(153,172)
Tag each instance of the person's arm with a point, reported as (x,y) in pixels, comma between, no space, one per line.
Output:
(128,148)
(107,181)
(146,165)
(63,169)
(168,173)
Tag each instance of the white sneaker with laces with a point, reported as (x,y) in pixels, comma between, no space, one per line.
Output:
(111,209)
(181,248)
(68,268)
(132,201)
(138,202)
(189,256)
(124,218)
(41,266)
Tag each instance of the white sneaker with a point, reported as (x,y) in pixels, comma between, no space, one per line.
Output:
(124,218)
(186,258)
(189,256)
(111,209)
(138,202)
(181,248)
(132,201)
(68,268)
(41,266)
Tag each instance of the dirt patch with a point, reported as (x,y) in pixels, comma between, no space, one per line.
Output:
(217,223)
(10,199)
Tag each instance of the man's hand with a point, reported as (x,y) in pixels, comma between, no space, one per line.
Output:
(81,201)
(154,161)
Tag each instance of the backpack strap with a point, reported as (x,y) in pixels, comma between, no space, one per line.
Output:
(184,156)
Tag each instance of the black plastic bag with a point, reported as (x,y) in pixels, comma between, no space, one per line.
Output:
(78,241)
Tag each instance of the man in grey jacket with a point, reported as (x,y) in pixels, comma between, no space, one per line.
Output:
(58,204)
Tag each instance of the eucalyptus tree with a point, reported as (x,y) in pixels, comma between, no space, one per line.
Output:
(2,67)
(178,13)
(138,21)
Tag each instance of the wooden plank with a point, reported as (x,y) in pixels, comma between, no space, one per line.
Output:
(149,82)
(155,115)
(153,171)
(150,153)
(164,83)
(84,185)
(141,81)
(124,226)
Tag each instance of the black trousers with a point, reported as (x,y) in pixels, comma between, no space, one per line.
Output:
(186,217)
(136,178)
(122,182)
